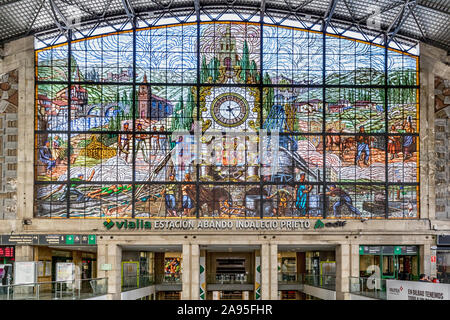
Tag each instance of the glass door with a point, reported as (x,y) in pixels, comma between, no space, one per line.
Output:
(130,275)
(389,267)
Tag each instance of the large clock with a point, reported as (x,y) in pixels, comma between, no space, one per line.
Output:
(229,109)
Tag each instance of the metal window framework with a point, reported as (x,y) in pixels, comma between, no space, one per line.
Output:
(325,22)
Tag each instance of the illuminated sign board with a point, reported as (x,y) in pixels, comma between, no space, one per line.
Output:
(6,252)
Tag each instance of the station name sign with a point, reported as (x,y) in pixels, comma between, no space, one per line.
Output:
(187,224)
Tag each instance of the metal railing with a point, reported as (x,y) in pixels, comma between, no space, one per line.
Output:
(230,278)
(136,282)
(172,278)
(289,278)
(368,287)
(55,290)
(321,281)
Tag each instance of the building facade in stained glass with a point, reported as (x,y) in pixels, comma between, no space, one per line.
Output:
(226,119)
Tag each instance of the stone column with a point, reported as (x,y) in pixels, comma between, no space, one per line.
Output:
(265,271)
(110,254)
(24,253)
(354,266)
(186,272)
(273,272)
(432,63)
(195,272)
(342,271)
(425,263)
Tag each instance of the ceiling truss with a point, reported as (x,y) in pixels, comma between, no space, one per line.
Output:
(403,23)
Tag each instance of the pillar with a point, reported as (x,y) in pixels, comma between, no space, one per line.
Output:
(343,272)
(273,271)
(186,272)
(354,267)
(265,271)
(111,254)
(425,261)
(195,272)
(78,263)
(24,253)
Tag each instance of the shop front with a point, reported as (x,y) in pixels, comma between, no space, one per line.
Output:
(389,262)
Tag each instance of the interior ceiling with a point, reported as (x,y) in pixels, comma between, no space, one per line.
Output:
(399,20)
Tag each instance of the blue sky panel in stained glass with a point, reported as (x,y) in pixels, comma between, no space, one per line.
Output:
(167,54)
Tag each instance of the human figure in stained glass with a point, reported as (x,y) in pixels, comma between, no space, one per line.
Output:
(141,144)
(408,141)
(124,141)
(154,142)
(162,139)
(169,193)
(282,203)
(344,200)
(363,145)
(45,155)
(393,144)
(56,148)
(302,195)
(74,187)
(188,204)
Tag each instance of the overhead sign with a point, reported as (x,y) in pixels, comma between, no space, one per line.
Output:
(194,224)
(388,250)
(369,249)
(49,239)
(443,240)
(406,250)
(416,290)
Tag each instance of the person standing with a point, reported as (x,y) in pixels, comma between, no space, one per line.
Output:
(363,145)
(124,141)
(169,193)
(187,203)
(302,195)
(154,141)
(162,140)
(408,140)
(141,144)
(393,145)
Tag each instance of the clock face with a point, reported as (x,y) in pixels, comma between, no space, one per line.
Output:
(229,109)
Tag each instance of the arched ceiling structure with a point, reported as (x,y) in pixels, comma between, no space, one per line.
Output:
(400,24)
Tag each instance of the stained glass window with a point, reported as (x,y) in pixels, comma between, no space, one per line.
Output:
(226,119)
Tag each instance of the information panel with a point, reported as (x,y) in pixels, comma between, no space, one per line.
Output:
(65,271)
(49,239)
(25,272)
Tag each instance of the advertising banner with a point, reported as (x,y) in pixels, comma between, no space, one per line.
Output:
(415,290)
